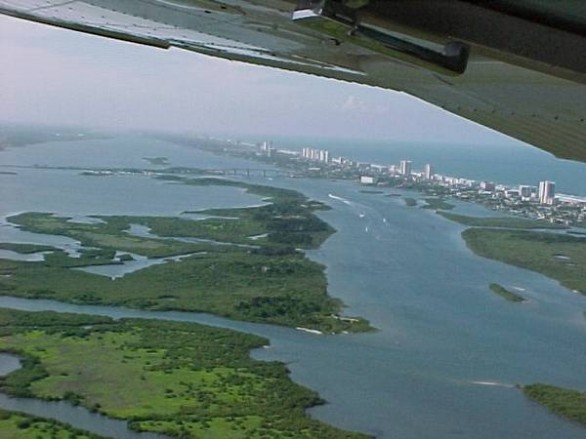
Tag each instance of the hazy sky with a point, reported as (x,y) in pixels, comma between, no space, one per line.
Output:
(51,75)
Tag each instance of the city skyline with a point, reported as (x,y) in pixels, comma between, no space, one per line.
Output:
(533,201)
(546,195)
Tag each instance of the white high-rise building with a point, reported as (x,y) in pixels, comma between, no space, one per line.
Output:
(322,155)
(428,172)
(267,148)
(546,192)
(487,186)
(405,167)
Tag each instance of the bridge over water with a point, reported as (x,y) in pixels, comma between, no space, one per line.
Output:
(251,172)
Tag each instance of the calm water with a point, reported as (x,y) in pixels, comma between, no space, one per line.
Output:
(448,353)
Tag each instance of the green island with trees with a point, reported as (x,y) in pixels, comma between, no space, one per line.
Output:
(568,403)
(437,204)
(16,425)
(266,279)
(181,379)
(25,249)
(505,293)
(371,191)
(410,201)
(501,222)
(558,256)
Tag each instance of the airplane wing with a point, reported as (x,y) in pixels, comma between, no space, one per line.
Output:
(517,66)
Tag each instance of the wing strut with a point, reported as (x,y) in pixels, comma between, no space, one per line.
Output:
(453,59)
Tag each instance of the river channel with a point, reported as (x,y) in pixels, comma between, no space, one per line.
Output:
(448,353)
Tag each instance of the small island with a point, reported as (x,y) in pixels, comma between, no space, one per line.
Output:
(536,251)
(515,241)
(25,249)
(501,222)
(371,191)
(437,204)
(506,294)
(569,403)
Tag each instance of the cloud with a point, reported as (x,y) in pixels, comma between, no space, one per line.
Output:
(353,104)
(379,105)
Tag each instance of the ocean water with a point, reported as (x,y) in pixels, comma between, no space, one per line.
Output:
(448,353)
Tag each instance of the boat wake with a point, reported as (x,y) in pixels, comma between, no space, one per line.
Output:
(343,200)
(493,384)
(311,331)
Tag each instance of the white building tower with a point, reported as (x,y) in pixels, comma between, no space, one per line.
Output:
(406,167)
(546,192)
(428,172)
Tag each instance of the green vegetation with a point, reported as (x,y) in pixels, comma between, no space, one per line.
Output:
(181,379)
(437,203)
(568,403)
(373,192)
(506,294)
(269,281)
(25,249)
(411,202)
(110,235)
(14,425)
(504,222)
(288,219)
(558,256)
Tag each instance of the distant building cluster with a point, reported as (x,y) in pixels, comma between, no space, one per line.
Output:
(539,201)
(319,155)
(267,148)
